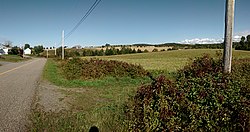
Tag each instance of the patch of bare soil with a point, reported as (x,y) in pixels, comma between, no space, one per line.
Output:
(50,97)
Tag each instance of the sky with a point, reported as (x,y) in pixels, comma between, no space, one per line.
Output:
(119,21)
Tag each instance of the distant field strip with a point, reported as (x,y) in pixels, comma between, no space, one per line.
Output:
(169,60)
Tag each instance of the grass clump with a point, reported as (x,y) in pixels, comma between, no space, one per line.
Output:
(201,98)
(77,68)
(63,120)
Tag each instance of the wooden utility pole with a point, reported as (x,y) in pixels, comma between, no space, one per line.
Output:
(55,49)
(47,52)
(63,45)
(228,38)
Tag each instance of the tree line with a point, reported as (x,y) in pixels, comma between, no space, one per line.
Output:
(244,43)
(102,52)
(19,51)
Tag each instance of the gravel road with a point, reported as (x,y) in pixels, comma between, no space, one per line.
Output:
(18,82)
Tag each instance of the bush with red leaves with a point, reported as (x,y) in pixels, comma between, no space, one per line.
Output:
(77,68)
(201,98)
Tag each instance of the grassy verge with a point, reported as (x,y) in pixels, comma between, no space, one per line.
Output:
(93,102)
(12,58)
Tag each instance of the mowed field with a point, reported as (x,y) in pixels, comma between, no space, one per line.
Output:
(169,60)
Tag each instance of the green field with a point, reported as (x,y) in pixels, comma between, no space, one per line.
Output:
(101,102)
(169,60)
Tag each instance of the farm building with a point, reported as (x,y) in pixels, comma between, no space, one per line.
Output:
(4,51)
(27,51)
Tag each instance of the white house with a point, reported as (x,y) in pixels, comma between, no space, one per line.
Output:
(27,51)
(4,51)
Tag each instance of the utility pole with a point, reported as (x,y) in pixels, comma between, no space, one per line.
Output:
(63,45)
(228,38)
(47,52)
(23,51)
(55,49)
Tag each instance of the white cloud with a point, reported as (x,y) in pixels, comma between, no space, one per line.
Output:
(237,36)
(201,41)
(243,33)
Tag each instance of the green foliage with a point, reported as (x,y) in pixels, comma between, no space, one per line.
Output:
(201,98)
(63,121)
(155,50)
(87,52)
(145,51)
(248,38)
(133,51)
(66,53)
(244,43)
(174,48)
(139,51)
(241,72)
(77,68)
(177,46)
(15,51)
(38,49)
(207,46)
(73,53)
(26,46)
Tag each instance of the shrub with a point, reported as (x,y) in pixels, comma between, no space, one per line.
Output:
(173,48)
(240,73)
(201,98)
(77,68)
(155,50)
(139,51)
(145,51)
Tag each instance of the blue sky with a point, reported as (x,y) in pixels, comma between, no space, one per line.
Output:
(118,21)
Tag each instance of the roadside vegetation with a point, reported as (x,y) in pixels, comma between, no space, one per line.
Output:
(77,68)
(190,82)
(201,98)
(12,58)
(97,102)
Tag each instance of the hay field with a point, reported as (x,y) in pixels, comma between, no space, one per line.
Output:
(169,60)
(142,48)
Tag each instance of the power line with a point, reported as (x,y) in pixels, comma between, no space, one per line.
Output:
(83,18)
